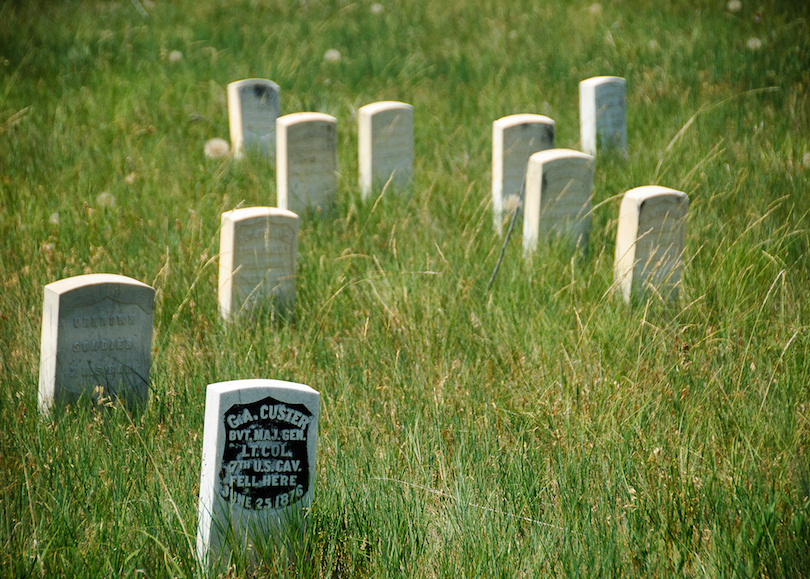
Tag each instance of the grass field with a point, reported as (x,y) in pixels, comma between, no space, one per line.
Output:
(541,428)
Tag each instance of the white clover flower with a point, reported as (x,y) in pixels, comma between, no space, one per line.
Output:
(105,199)
(377,8)
(595,9)
(216,148)
(175,56)
(54,219)
(754,43)
(734,5)
(331,55)
(653,45)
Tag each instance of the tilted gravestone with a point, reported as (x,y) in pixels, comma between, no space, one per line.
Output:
(254,104)
(258,247)
(514,139)
(559,183)
(306,158)
(96,340)
(649,241)
(258,464)
(385,145)
(602,114)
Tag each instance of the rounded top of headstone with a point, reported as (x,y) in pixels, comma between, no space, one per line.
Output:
(652,191)
(253,82)
(647,191)
(522,119)
(599,80)
(261,383)
(379,106)
(556,154)
(253,212)
(297,118)
(92,279)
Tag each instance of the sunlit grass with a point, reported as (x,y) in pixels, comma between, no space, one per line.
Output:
(541,428)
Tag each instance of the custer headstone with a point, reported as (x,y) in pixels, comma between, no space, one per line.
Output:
(559,183)
(96,341)
(650,241)
(602,114)
(306,158)
(258,248)
(258,464)
(385,145)
(254,104)
(514,139)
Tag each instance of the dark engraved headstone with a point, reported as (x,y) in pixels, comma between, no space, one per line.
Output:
(265,461)
(258,464)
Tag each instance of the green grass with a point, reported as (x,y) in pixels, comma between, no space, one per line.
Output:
(542,428)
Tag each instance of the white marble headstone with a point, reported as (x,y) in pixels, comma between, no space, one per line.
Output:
(385,145)
(514,139)
(96,340)
(649,241)
(254,104)
(306,158)
(559,183)
(258,247)
(602,114)
(258,463)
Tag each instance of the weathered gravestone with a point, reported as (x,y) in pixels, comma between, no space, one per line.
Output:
(258,247)
(96,340)
(254,105)
(306,155)
(385,145)
(602,114)
(649,241)
(559,183)
(258,464)
(514,139)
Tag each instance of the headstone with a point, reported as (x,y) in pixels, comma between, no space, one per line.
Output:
(258,464)
(96,340)
(258,247)
(559,183)
(306,155)
(649,241)
(514,139)
(602,114)
(254,104)
(385,145)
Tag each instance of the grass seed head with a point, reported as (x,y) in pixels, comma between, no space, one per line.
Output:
(216,148)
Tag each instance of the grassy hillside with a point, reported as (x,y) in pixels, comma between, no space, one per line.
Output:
(541,428)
